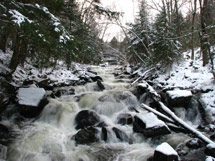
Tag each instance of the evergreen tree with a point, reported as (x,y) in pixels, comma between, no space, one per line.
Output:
(165,47)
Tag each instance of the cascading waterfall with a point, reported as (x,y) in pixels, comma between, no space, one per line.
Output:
(49,138)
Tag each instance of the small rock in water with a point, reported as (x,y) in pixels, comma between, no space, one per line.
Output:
(194,143)
(165,152)
(86,136)
(210,150)
(100,85)
(121,135)
(125,119)
(86,118)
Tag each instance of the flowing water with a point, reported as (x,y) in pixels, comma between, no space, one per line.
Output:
(49,138)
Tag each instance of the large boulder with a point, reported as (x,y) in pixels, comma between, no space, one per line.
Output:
(178,98)
(86,136)
(31,101)
(149,125)
(165,152)
(86,118)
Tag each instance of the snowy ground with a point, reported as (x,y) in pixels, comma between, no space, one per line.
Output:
(195,77)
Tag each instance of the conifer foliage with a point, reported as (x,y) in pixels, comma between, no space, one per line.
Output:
(46,31)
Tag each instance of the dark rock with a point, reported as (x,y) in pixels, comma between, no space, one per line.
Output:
(105,133)
(210,150)
(86,136)
(5,134)
(87,118)
(194,143)
(45,84)
(165,152)
(63,91)
(4,101)
(149,125)
(100,85)
(28,82)
(121,135)
(125,119)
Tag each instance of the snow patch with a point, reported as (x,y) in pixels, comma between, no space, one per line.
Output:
(165,148)
(179,93)
(151,120)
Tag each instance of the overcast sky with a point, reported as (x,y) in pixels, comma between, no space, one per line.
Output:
(128,7)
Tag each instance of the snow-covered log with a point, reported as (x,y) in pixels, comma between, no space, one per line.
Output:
(142,76)
(185,125)
(160,115)
(180,121)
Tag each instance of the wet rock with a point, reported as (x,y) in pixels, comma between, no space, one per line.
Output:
(149,125)
(31,101)
(121,135)
(100,85)
(86,136)
(93,76)
(87,118)
(46,84)
(105,133)
(5,134)
(3,152)
(4,100)
(194,143)
(125,119)
(178,98)
(28,82)
(210,150)
(63,91)
(165,152)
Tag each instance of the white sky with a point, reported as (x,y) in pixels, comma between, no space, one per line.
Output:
(128,7)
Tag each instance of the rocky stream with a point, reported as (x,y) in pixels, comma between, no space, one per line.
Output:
(106,119)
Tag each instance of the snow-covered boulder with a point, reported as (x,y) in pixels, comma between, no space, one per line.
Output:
(149,125)
(31,101)
(178,98)
(165,152)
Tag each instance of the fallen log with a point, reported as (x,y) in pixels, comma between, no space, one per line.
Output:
(185,125)
(159,114)
(177,119)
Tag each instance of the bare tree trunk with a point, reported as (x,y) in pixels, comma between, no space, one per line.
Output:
(177,18)
(192,30)
(203,35)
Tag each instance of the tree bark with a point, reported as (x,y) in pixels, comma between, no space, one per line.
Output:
(16,53)
(192,30)
(203,35)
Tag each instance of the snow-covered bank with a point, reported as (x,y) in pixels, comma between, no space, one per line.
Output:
(194,77)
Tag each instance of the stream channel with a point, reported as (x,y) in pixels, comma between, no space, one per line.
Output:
(51,136)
